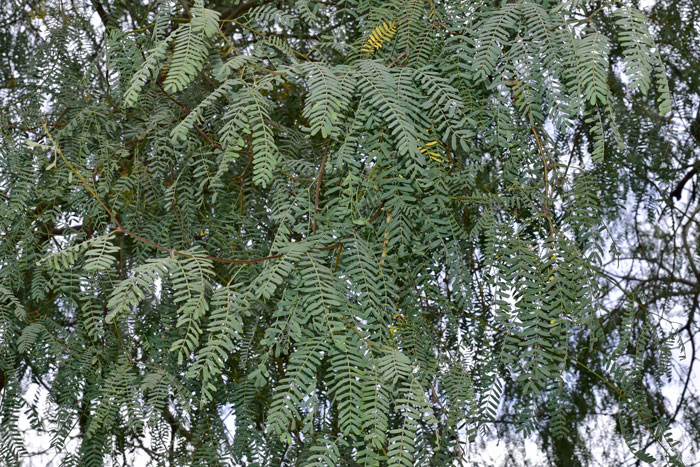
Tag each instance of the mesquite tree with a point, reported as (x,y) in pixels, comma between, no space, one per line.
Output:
(315,233)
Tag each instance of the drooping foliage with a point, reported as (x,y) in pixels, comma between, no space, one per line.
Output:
(647,190)
(314,233)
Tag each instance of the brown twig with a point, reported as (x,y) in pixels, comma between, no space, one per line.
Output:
(318,186)
(545,177)
(401,55)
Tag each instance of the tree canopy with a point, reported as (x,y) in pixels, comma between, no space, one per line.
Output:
(352,232)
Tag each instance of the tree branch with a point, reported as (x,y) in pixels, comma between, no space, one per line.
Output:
(676,193)
(318,186)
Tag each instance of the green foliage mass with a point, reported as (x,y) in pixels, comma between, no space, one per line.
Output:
(312,233)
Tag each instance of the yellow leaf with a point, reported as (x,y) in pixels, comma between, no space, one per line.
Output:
(382,33)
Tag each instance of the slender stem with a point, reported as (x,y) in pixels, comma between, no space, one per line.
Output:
(545,177)
(318,186)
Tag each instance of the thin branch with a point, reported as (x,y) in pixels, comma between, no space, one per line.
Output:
(318,186)
(678,190)
(401,55)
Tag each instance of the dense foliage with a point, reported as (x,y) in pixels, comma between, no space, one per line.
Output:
(336,233)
